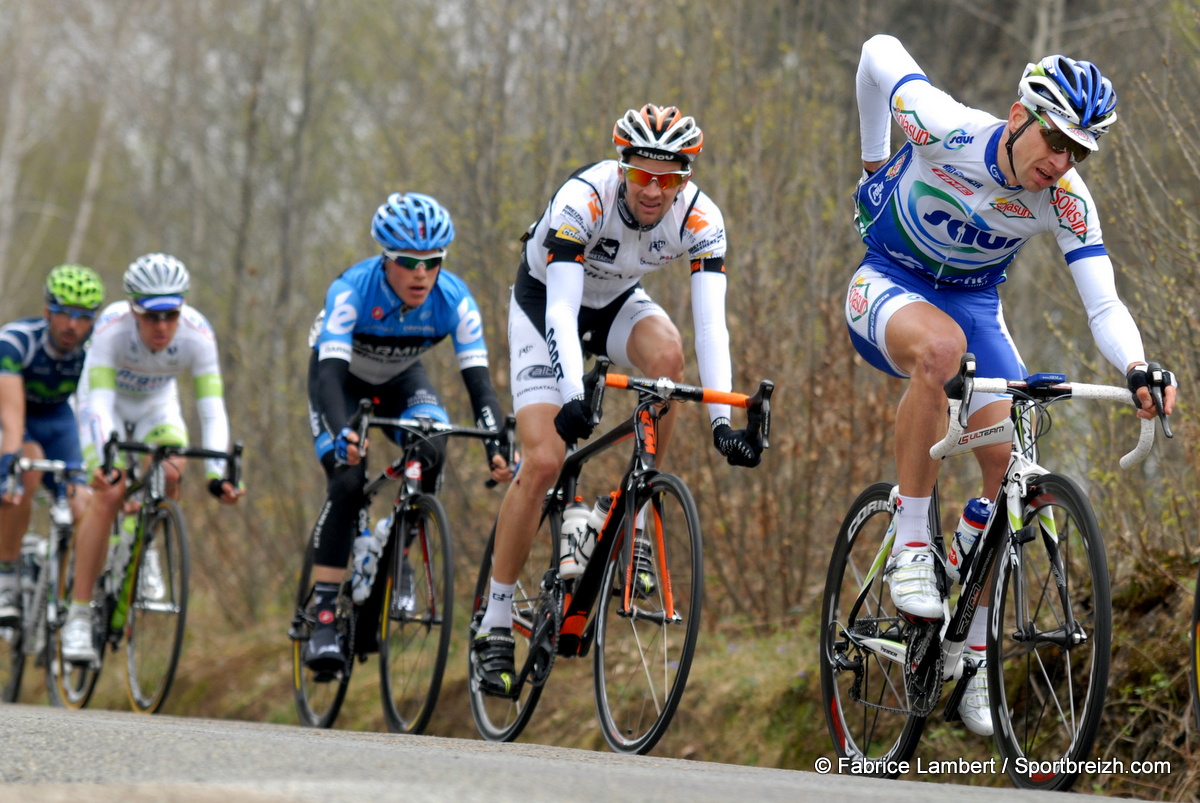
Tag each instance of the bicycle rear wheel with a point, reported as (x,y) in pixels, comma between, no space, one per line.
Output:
(318,695)
(866,706)
(1046,680)
(71,685)
(644,649)
(418,611)
(157,608)
(501,719)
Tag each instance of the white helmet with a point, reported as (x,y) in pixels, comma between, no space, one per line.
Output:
(658,133)
(156,275)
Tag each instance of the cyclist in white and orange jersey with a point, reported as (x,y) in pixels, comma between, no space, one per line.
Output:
(578,288)
(942,219)
(139,348)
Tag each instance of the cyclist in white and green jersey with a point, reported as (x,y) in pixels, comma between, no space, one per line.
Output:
(139,348)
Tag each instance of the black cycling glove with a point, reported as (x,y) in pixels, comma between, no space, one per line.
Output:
(739,449)
(1139,377)
(216,487)
(574,421)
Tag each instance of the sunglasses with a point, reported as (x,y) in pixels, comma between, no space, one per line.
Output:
(412,263)
(666,181)
(157,315)
(1059,142)
(74,312)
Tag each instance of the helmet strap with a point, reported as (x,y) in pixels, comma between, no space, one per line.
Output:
(1029,119)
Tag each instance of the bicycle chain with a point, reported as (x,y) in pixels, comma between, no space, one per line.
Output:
(913,687)
(922,700)
(543,642)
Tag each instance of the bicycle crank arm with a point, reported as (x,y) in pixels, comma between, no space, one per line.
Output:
(892,650)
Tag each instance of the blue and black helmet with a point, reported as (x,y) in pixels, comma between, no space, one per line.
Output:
(1073,90)
(412,222)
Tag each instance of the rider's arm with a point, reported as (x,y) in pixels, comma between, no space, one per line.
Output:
(1111,323)
(210,393)
(564,294)
(882,64)
(334,344)
(712,334)
(12,412)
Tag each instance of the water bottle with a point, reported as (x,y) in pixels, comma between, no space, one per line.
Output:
(368,549)
(597,517)
(572,558)
(970,526)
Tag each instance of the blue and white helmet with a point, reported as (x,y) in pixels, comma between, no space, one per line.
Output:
(1079,100)
(412,222)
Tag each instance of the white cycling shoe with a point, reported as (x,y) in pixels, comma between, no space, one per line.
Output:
(913,584)
(77,646)
(974,708)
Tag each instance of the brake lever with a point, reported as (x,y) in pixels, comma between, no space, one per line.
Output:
(1155,373)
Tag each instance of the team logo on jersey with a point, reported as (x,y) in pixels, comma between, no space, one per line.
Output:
(912,126)
(951,225)
(859,300)
(696,221)
(536,372)
(954,171)
(569,233)
(1012,208)
(953,182)
(377,313)
(1071,210)
(957,139)
(605,250)
(894,170)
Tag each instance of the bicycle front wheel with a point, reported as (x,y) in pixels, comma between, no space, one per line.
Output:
(646,636)
(501,719)
(70,685)
(319,695)
(418,610)
(157,607)
(1050,637)
(866,706)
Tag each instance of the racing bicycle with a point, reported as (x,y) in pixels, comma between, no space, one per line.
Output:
(1050,618)
(42,611)
(141,596)
(644,641)
(408,613)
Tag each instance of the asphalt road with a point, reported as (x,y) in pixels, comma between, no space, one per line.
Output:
(49,754)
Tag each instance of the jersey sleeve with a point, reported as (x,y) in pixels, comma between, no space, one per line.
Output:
(335,338)
(13,348)
(889,81)
(576,212)
(99,408)
(210,391)
(1112,325)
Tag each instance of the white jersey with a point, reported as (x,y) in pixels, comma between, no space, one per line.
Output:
(121,375)
(587,224)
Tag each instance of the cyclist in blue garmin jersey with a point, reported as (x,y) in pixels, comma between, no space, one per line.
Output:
(379,317)
(41,360)
(942,219)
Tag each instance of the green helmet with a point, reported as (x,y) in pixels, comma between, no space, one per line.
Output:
(74,286)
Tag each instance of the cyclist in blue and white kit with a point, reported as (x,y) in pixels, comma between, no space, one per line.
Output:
(380,316)
(942,219)
(41,360)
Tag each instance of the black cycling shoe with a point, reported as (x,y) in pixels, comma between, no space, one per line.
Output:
(324,652)
(497,672)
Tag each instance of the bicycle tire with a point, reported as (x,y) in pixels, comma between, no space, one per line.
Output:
(318,697)
(158,607)
(71,685)
(643,654)
(500,719)
(12,662)
(1196,653)
(877,731)
(1047,695)
(413,645)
